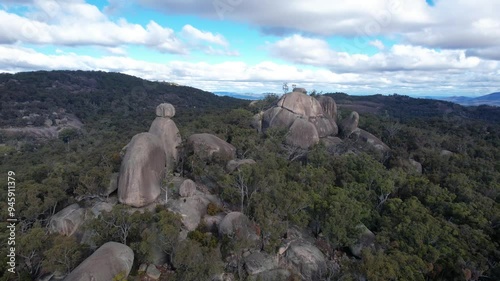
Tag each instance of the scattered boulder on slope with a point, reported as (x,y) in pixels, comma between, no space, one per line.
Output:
(105,263)
(306,259)
(366,239)
(236,164)
(417,166)
(141,171)
(371,140)
(209,148)
(236,224)
(113,184)
(192,209)
(259,262)
(67,221)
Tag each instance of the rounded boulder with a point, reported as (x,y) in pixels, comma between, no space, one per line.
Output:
(165,110)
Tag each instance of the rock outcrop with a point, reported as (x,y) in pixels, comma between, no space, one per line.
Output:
(107,262)
(211,148)
(67,221)
(192,208)
(187,189)
(141,171)
(366,239)
(302,116)
(237,225)
(329,107)
(371,140)
(302,134)
(167,131)
(259,262)
(349,124)
(306,259)
(236,164)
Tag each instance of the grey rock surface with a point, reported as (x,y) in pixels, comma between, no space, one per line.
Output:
(141,171)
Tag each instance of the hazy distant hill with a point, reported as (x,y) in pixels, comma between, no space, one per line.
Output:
(239,96)
(491,99)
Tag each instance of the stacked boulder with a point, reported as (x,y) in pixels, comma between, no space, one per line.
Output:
(302,116)
(146,159)
(165,129)
(309,120)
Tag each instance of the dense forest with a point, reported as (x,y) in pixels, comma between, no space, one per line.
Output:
(432,203)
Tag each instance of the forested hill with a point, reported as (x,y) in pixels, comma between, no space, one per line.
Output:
(401,189)
(405,108)
(93,94)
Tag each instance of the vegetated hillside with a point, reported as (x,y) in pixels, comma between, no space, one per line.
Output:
(32,98)
(405,108)
(491,99)
(433,204)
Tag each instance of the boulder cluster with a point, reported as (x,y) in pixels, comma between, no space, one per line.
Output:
(140,182)
(309,120)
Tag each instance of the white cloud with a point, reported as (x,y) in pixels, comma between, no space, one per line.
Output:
(197,35)
(377,44)
(77,23)
(317,52)
(449,24)
(265,76)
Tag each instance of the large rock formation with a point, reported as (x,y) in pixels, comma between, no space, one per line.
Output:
(107,262)
(67,221)
(209,148)
(302,116)
(141,171)
(167,131)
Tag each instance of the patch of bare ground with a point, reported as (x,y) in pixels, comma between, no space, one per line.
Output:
(69,121)
(361,106)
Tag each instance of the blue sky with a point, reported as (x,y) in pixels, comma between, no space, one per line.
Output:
(412,47)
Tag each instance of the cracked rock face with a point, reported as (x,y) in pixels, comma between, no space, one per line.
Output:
(302,116)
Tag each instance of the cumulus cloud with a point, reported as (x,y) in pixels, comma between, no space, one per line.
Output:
(77,23)
(264,76)
(450,24)
(197,35)
(311,51)
(377,44)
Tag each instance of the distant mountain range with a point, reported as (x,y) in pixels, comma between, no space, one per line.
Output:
(491,99)
(248,96)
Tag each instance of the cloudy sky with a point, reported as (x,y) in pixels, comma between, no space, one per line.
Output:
(411,47)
